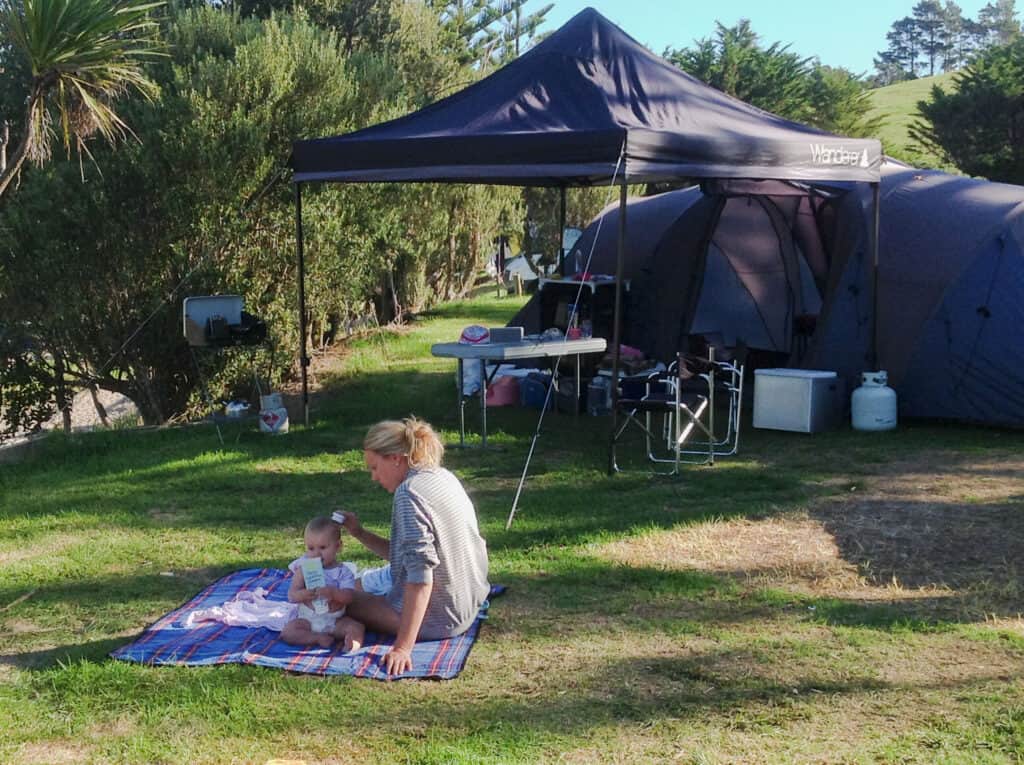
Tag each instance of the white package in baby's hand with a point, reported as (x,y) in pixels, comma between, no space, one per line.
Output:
(313,573)
(313,576)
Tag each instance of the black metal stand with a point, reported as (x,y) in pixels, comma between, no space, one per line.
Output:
(216,418)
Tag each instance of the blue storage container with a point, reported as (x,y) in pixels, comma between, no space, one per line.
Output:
(533,389)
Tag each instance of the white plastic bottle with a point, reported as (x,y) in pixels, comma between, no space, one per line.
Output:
(873,404)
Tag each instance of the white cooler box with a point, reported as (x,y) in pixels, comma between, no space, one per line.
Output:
(801,400)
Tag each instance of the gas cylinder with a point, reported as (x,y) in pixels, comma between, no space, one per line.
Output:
(873,404)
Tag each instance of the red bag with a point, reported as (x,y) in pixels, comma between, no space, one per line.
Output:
(504,391)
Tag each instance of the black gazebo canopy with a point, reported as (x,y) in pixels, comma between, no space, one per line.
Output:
(587,106)
(564,112)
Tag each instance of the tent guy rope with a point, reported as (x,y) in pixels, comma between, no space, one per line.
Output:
(558,359)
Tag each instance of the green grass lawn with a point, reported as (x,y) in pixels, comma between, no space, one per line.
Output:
(841,597)
(897,105)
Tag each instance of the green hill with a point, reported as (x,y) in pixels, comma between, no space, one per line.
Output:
(897,105)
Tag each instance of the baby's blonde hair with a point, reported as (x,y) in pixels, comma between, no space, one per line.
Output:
(411,437)
(321,524)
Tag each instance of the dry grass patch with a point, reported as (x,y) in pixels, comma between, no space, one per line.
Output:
(52,753)
(938,519)
(795,550)
(939,528)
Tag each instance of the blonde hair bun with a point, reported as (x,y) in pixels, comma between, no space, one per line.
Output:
(411,437)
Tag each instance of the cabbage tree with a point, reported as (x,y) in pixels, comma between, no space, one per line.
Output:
(80,56)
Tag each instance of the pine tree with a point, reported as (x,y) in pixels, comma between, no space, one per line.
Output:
(999,21)
(905,44)
(930,19)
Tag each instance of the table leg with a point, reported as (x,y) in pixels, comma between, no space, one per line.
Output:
(576,411)
(483,402)
(462,408)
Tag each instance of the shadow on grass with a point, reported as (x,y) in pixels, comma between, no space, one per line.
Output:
(95,650)
(742,684)
(493,313)
(563,600)
(105,590)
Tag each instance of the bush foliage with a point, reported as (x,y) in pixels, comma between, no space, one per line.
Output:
(199,205)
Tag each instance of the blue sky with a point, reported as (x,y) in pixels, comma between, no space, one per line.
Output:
(847,35)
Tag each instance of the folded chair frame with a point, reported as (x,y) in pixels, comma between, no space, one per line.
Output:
(685,433)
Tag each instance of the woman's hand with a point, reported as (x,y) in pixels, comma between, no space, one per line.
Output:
(398,660)
(414,606)
(351,523)
(375,544)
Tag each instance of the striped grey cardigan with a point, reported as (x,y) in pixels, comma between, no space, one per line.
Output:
(435,539)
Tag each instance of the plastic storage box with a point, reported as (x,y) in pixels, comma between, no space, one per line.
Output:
(800,400)
(533,389)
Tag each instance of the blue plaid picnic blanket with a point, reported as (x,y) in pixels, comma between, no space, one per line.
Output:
(170,640)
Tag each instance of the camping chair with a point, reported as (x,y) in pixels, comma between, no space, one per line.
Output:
(681,404)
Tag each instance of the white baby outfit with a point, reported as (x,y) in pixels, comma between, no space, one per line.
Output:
(339,575)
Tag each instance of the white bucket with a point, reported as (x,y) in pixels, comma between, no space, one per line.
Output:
(873,404)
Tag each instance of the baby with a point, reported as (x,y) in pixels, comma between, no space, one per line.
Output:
(321,616)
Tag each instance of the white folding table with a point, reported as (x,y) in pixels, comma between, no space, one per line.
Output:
(501,353)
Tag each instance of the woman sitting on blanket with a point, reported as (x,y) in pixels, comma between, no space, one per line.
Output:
(438,558)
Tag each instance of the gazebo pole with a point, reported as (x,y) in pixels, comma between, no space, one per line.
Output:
(303,358)
(617,328)
(875,199)
(561,234)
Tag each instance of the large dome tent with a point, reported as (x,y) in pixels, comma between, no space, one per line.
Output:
(785,268)
(757,263)
(951,296)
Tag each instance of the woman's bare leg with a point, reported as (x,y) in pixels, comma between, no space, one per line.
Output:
(374,612)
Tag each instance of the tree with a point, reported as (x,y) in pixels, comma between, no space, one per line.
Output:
(82,55)
(841,103)
(485,33)
(953,37)
(930,21)
(999,22)
(770,78)
(905,44)
(979,126)
(165,217)
(518,27)
(367,23)
(972,41)
(944,37)
(778,81)
(888,69)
